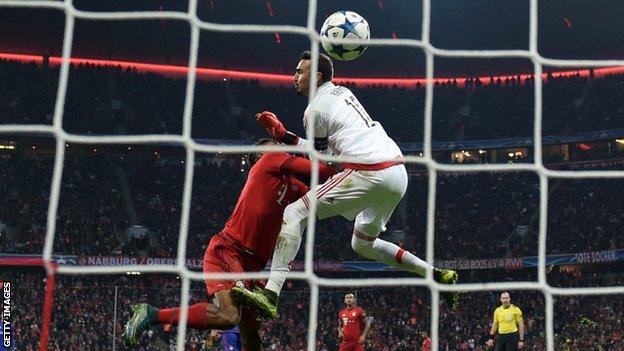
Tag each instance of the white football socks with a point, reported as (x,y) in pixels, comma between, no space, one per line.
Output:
(288,243)
(388,253)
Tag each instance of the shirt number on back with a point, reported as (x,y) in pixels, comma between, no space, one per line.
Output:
(352,101)
(281,194)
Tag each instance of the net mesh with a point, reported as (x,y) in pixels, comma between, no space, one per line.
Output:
(191,147)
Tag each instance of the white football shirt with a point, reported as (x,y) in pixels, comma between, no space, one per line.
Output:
(343,124)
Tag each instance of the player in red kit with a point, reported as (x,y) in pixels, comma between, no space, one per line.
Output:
(426,344)
(245,244)
(350,322)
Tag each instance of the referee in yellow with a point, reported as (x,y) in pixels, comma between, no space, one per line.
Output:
(508,323)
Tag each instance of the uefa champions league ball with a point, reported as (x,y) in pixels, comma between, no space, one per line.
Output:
(345,25)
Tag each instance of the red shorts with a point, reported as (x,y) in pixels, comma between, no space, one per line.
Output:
(351,346)
(223,255)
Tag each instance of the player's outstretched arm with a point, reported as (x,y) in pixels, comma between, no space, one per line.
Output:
(269,121)
(302,166)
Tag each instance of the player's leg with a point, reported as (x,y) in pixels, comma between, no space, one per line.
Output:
(381,202)
(383,251)
(286,248)
(250,330)
(512,342)
(289,240)
(288,243)
(334,198)
(501,345)
(144,316)
(223,314)
(368,225)
(346,346)
(366,243)
(372,221)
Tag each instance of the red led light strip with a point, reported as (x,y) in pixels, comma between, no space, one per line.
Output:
(213,74)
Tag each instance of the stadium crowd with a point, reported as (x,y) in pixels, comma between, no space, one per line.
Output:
(104,193)
(111,100)
(80,321)
(106,190)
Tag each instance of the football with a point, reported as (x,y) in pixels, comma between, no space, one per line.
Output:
(345,25)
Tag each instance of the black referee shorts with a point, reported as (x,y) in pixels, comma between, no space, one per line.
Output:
(508,342)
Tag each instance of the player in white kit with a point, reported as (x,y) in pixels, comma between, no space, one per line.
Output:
(367,191)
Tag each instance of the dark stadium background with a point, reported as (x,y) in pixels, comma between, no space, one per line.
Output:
(479,217)
(567,29)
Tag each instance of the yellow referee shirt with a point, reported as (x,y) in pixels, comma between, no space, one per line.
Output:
(507,319)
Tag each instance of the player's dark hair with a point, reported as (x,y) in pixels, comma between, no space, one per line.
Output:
(263,141)
(252,158)
(325,65)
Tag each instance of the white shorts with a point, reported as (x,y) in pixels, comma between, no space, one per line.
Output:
(368,196)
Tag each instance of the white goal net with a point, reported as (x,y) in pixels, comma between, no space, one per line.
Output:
(184,139)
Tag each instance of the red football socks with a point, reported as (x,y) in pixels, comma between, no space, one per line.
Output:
(197,318)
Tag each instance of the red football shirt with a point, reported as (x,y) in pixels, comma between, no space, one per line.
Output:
(270,187)
(426,345)
(352,323)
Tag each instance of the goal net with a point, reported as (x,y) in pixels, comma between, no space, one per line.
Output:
(192,148)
